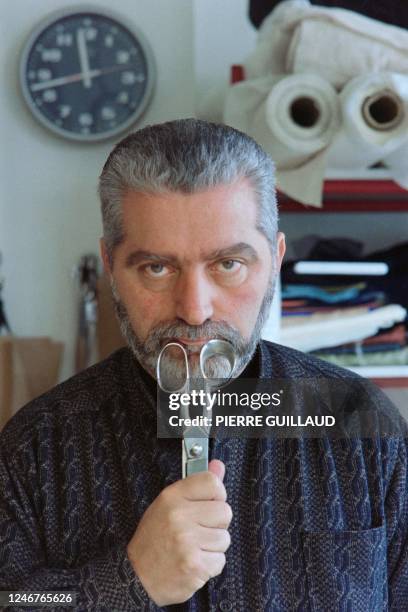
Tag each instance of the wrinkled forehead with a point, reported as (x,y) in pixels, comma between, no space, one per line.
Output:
(210,218)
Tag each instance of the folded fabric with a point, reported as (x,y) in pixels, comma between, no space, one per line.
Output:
(315,315)
(393,338)
(293,303)
(299,37)
(398,334)
(387,358)
(316,42)
(358,348)
(391,11)
(397,163)
(317,293)
(292,316)
(312,334)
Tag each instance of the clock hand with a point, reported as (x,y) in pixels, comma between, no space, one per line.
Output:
(72,78)
(83,58)
(62,80)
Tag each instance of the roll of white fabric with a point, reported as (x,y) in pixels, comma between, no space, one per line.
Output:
(333,42)
(374,120)
(294,118)
(317,41)
(397,163)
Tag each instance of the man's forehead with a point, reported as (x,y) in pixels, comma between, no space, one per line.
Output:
(235,191)
(192,226)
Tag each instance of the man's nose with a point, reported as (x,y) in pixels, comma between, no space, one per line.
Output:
(194,298)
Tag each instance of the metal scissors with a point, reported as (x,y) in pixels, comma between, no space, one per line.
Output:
(195,438)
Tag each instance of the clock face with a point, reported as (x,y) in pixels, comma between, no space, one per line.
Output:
(85,75)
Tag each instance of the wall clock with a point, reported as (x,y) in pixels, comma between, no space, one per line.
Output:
(85,74)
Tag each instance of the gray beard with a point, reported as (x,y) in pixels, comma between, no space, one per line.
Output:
(147,351)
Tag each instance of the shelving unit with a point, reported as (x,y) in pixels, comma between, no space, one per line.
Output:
(372,192)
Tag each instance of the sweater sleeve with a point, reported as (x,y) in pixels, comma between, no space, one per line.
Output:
(396,508)
(107,582)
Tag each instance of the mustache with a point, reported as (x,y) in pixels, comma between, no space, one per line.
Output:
(172,331)
(209,330)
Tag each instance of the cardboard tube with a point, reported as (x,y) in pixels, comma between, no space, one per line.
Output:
(383,110)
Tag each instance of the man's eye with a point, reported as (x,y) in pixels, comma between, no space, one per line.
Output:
(156,270)
(229,265)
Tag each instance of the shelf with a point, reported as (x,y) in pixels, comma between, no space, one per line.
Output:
(384,376)
(345,196)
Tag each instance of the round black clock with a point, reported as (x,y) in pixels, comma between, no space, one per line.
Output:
(85,75)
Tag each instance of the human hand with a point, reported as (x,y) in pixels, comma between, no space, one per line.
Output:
(182,537)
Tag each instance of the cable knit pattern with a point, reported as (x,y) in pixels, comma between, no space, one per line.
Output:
(319,524)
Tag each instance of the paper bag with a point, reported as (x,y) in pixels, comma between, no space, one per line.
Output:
(28,368)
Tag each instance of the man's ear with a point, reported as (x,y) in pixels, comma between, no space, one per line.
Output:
(281,249)
(105,258)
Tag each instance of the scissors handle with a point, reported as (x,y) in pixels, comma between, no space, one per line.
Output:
(195,439)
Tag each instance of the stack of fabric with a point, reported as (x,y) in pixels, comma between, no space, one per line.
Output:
(348,320)
(388,347)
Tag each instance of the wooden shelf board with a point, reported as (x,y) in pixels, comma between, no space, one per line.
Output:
(345,196)
(384,376)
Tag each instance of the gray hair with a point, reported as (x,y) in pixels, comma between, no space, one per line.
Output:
(187,155)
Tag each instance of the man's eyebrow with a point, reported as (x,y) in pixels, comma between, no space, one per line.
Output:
(240,249)
(136,256)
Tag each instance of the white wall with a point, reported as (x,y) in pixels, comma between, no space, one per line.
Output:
(49,213)
(223,35)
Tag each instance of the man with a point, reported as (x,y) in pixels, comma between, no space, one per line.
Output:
(92,502)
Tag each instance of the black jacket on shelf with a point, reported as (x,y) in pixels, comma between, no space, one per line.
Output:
(394,12)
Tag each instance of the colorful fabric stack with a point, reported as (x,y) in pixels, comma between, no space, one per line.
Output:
(350,321)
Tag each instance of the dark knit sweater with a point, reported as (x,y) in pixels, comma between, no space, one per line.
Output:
(318,524)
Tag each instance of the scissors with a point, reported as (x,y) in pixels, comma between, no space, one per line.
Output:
(195,438)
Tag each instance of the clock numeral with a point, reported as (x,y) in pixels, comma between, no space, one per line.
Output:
(85,119)
(123,97)
(64,110)
(49,95)
(44,74)
(109,40)
(130,78)
(64,39)
(91,33)
(108,113)
(122,57)
(51,55)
